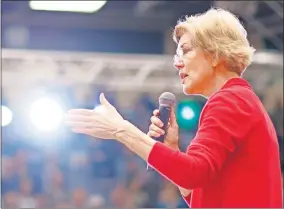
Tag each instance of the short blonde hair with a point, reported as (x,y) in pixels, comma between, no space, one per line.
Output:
(221,33)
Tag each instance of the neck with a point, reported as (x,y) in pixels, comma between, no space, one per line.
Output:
(218,81)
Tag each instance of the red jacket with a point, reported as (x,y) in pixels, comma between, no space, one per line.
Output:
(233,161)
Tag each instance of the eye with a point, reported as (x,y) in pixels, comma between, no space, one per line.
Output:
(185,50)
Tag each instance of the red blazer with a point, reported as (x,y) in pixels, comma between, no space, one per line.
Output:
(233,161)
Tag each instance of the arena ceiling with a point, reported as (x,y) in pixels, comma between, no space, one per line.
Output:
(263,18)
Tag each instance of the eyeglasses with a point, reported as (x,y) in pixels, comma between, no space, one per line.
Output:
(181,53)
(177,58)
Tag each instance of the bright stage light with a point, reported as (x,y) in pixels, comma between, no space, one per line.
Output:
(7,115)
(46,114)
(187,113)
(67,6)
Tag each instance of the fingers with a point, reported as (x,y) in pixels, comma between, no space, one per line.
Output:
(80,112)
(156,121)
(153,134)
(79,118)
(156,129)
(156,112)
(82,131)
(79,125)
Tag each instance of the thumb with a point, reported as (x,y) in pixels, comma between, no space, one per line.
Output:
(104,101)
(173,119)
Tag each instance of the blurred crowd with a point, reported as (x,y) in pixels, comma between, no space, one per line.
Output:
(103,178)
(79,171)
(83,172)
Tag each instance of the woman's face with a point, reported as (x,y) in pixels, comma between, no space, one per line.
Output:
(194,66)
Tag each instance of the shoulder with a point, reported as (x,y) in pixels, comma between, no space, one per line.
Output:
(237,102)
(235,96)
(236,92)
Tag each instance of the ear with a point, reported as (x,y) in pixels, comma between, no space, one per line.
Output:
(215,61)
(212,58)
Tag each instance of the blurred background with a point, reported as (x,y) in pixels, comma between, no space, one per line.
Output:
(56,60)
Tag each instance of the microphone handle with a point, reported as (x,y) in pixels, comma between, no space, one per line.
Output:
(164,116)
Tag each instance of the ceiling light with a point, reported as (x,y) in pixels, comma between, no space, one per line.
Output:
(67,6)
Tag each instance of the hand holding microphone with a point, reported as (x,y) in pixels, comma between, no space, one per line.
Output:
(164,127)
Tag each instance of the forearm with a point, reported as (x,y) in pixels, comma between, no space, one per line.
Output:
(135,140)
(141,144)
(184,192)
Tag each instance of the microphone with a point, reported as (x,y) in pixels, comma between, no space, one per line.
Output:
(166,101)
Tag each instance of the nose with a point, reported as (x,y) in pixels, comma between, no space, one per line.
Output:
(178,63)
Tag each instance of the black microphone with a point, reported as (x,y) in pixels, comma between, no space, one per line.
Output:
(166,101)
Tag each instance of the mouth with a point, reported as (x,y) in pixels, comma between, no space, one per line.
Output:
(182,76)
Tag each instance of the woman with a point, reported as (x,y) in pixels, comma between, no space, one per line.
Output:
(233,161)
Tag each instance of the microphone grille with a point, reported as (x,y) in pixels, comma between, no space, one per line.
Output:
(167,99)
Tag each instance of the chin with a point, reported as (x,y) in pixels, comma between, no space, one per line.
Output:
(190,90)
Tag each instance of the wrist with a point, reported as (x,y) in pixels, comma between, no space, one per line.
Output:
(134,139)
(120,131)
(184,192)
(174,146)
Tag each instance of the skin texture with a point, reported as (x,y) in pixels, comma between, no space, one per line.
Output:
(195,64)
(205,74)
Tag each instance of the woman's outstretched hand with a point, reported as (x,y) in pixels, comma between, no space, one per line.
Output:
(103,123)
